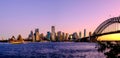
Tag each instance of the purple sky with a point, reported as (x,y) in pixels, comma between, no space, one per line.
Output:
(22,16)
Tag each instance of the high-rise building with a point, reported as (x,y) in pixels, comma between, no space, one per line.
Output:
(59,36)
(48,36)
(63,36)
(42,36)
(53,29)
(90,34)
(66,36)
(84,32)
(53,33)
(36,30)
(31,36)
(37,35)
(80,35)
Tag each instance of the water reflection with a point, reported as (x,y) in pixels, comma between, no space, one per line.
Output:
(50,50)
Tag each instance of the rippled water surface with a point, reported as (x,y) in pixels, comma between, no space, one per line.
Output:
(50,50)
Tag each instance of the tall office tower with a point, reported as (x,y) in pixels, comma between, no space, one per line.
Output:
(37,35)
(84,32)
(63,36)
(53,33)
(48,36)
(90,33)
(31,36)
(59,36)
(41,36)
(37,30)
(76,35)
(80,35)
(73,36)
(66,36)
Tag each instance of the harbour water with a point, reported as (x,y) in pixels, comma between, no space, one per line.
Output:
(50,50)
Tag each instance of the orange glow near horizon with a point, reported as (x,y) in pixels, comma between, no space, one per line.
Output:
(111,37)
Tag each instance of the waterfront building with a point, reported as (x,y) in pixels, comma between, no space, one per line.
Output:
(75,36)
(48,36)
(84,32)
(70,37)
(90,34)
(66,36)
(36,30)
(53,34)
(59,36)
(63,36)
(20,38)
(12,38)
(41,36)
(31,36)
(80,35)
(37,35)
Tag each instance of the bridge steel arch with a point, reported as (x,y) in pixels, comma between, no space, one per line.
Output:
(105,24)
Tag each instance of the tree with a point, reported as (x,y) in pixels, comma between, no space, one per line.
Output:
(110,49)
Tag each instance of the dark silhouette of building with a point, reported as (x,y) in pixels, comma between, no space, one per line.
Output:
(84,32)
(53,33)
(48,36)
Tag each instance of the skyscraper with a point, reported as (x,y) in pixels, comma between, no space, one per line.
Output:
(42,37)
(53,33)
(63,36)
(66,36)
(90,33)
(59,36)
(37,35)
(48,35)
(36,30)
(53,29)
(80,35)
(31,36)
(84,32)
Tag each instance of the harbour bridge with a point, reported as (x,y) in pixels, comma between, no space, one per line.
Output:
(109,26)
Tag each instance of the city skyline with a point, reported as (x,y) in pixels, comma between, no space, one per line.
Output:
(53,36)
(20,17)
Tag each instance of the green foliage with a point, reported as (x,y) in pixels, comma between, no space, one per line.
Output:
(110,49)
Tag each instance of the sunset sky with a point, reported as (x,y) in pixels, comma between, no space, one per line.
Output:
(22,16)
